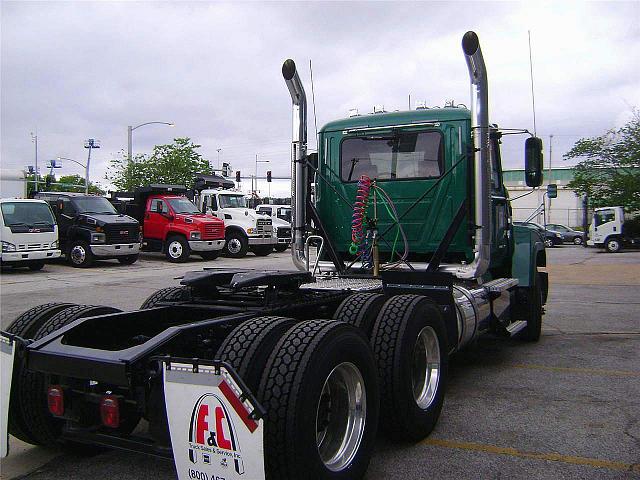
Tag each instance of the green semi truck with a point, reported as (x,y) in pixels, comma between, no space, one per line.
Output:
(282,374)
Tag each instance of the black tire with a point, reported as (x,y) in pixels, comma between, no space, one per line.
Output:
(248,347)
(292,390)
(262,250)
(613,245)
(281,247)
(237,244)
(578,240)
(79,254)
(398,333)
(360,310)
(532,301)
(177,249)
(128,259)
(212,255)
(35,266)
(169,294)
(26,326)
(40,426)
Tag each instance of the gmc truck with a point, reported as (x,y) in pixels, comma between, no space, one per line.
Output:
(293,373)
(245,230)
(171,223)
(91,229)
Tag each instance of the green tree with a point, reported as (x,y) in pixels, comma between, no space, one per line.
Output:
(609,168)
(66,183)
(176,163)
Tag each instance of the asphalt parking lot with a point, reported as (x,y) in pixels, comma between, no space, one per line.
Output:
(565,407)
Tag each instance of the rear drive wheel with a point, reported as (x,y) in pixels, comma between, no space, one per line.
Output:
(249,345)
(321,391)
(236,245)
(25,326)
(41,427)
(35,266)
(128,259)
(410,345)
(169,294)
(177,249)
(212,255)
(613,245)
(360,310)
(79,254)
(262,250)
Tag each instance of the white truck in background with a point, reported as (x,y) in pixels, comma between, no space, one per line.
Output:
(281,217)
(610,230)
(29,233)
(245,229)
(13,183)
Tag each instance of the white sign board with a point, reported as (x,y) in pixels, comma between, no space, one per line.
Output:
(7,354)
(213,436)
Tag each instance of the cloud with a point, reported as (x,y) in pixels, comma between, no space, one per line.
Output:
(75,70)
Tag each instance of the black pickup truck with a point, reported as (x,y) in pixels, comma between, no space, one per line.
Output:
(90,228)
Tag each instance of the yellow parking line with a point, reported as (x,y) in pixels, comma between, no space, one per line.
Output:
(552,457)
(590,371)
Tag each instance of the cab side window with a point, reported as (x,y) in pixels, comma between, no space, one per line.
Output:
(158,206)
(67,207)
(213,203)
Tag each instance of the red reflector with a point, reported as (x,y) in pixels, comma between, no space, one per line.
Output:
(110,411)
(55,400)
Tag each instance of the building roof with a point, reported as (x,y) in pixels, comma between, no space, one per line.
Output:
(560,175)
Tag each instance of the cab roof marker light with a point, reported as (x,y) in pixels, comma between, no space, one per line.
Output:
(353,112)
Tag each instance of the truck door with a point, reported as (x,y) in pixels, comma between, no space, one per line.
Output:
(156,219)
(212,206)
(65,214)
(500,207)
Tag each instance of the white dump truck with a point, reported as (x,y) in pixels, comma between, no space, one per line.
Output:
(612,230)
(281,217)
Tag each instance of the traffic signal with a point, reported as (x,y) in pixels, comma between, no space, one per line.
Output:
(268,175)
(225,169)
(552,190)
(238,176)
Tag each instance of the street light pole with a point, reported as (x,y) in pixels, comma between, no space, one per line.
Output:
(86,170)
(34,138)
(130,130)
(218,150)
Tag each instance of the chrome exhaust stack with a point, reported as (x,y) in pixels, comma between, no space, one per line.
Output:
(480,131)
(298,168)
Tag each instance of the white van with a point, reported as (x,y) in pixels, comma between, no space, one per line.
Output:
(29,233)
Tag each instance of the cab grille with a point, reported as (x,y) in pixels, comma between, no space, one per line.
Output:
(213,230)
(121,233)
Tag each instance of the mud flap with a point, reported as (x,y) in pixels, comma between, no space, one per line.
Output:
(7,356)
(215,423)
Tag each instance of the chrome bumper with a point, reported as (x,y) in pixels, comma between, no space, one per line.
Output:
(262,240)
(206,245)
(116,250)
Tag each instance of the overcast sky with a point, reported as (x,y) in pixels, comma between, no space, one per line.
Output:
(76,70)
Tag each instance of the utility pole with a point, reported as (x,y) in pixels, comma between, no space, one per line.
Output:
(549,180)
(90,143)
(218,150)
(34,138)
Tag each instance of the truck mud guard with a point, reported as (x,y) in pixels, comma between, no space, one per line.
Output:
(9,344)
(215,422)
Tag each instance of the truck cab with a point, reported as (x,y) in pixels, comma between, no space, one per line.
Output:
(281,217)
(171,223)
(610,230)
(91,229)
(245,228)
(29,233)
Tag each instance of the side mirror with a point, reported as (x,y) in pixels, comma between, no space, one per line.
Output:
(205,204)
(533,161)
(59,206)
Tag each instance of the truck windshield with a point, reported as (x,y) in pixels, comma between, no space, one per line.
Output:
(183,206)
(232,201)
(604,216)
(400,156)
(29,214)
(93,205)
(285,214)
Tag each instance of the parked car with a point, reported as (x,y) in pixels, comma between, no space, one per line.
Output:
(551,237)
(569,235)
(91,229)
(29,233)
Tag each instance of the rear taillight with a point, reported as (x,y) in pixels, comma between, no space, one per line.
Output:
(55,400)
(110,411)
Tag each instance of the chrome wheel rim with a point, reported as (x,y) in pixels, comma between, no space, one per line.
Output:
(548,243)
(613,245)
(425,371)
(234,245)
(577,241)
(175,249)
(340,416)
(78,254)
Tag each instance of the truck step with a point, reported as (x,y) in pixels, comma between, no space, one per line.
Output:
(500,285)
(516,327)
